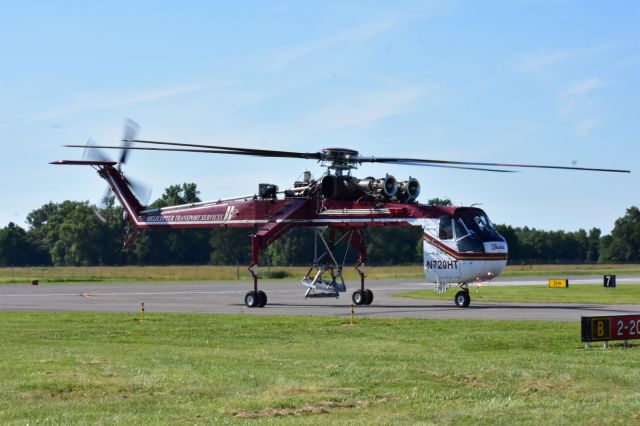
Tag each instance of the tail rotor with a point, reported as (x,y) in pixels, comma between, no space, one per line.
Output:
(92,152)
(129,134)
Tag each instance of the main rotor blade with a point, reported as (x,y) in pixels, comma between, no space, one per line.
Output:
(419,161)
(206,151)
(447,166)
(246,151)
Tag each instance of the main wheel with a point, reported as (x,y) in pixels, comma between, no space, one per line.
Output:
(251,299)
(462,299)
(262,299)
(358,297)
(368,297)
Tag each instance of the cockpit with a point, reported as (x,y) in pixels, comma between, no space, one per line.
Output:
(470,228)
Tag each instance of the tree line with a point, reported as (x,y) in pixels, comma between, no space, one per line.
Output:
(69,234)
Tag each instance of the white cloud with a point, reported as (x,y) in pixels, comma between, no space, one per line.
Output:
(103,100)
(581,87)
(575,96)
(534,61)
(577,106)
(586,125)
(539,60)
(367,108)
(284,57)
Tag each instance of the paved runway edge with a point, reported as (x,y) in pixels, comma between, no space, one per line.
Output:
(286,298)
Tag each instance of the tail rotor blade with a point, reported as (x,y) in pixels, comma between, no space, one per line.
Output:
(98,214)
(106,199)
(105,202)
(130,133)
(93,153)
(140,190)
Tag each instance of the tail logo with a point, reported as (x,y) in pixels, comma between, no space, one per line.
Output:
(230,213)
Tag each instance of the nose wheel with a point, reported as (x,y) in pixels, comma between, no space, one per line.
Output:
(462,299)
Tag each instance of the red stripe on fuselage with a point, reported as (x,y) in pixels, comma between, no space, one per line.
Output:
(463,256)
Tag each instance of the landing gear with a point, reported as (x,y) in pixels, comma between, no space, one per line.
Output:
(255,299)
(251,299)
(462,298)
(368,294)
(316,285)
(360,297)
(262,299)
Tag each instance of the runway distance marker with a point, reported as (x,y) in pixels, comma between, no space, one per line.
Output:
(609,281)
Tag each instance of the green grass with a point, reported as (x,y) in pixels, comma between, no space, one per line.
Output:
(563,270)
(107,274)
(82,368)
(231,273)
(622,294)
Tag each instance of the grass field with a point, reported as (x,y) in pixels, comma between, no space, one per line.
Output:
(230,273)
(622,294)
(84,368)
(185,273)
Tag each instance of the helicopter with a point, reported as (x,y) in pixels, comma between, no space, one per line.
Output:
(461,244)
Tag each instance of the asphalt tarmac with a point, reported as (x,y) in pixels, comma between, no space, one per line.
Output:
(287,298)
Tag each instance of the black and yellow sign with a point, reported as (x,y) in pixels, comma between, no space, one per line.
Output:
(564,283)
(617,327)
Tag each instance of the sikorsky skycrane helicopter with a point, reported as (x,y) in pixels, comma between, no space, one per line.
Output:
(461,245)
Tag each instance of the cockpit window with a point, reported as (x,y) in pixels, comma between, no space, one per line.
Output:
(461,231)
(446,228)
(476,221)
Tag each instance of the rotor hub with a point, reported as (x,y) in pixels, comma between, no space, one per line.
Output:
(339,159)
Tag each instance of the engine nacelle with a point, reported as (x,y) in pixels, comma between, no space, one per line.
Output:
(267,190)
(340,187)
(349,187)
(387,186)
(409,189)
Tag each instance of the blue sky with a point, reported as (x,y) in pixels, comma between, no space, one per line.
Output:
(542,82)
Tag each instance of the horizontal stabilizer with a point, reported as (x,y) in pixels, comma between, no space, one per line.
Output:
(84,163)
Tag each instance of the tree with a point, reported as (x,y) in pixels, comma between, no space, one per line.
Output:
(73,235)
(439,202)
(511,236)
(623,245)
(230,246)
(18,248)
(174,246)
(178,194)
(394,245)
(294,248)
(593,245)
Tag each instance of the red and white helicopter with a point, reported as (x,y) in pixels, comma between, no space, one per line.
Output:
(461,245)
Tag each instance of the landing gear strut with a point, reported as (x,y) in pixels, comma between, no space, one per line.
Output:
(255,298)
(362,296)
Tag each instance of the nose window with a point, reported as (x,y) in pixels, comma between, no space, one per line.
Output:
(461,231)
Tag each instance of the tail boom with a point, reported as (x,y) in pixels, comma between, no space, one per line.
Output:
(117,182)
